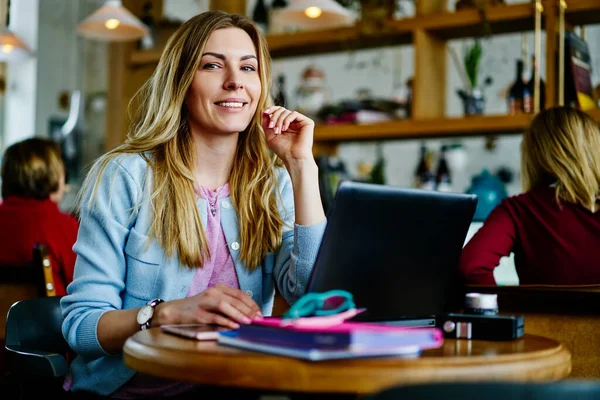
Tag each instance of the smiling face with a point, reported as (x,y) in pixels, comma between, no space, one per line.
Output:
(226,88)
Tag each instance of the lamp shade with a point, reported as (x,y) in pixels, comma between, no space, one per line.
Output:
(316,14)
(112,22)
(11,47)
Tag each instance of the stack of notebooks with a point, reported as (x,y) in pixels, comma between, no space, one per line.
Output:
(339,341)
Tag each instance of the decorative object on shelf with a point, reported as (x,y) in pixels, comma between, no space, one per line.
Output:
(578,73)
(516,93)
(279,95)
(377,174)
(443,176)
(316,14)
(149,40)
(490,191)
(424,177)
(374,14)
(260,16)
(276,24)
(312,94)
(456,156)
(112,22)
(472,94)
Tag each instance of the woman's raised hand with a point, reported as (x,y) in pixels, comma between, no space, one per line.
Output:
(289,133)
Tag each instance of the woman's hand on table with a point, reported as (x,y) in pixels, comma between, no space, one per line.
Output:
(219,305)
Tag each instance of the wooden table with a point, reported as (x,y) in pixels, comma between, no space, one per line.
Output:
(531,358)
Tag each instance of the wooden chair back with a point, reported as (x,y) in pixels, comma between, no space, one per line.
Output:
(25,281)
(569,314)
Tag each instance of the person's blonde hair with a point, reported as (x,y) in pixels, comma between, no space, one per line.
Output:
(32,168)
(562,147)
(160,129)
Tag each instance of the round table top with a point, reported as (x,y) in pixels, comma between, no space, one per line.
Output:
(530,358)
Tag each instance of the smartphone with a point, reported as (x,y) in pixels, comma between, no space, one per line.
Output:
(195,331)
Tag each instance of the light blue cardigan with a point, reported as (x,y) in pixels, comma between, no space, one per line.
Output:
(115,270)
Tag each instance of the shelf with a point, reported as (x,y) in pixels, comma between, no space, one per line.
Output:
(582,12)
(439,127)
(393,33)
(502,18)
(430,128)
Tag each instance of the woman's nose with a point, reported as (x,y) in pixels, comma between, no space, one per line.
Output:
(233,82)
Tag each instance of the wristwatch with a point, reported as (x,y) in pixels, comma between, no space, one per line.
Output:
(146,313)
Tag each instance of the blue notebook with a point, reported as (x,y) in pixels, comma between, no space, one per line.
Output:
(316,354)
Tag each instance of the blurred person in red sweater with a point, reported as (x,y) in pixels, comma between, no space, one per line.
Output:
(553,227)
(33,185)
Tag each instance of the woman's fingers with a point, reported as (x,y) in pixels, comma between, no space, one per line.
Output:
(208,317)
(242,301)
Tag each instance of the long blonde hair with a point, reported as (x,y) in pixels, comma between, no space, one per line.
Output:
(562,146)
(160,129)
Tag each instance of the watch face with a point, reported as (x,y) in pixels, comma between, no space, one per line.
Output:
(145,314)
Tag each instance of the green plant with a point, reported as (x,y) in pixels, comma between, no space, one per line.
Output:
(472,61)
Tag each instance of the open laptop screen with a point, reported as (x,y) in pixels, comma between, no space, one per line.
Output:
(395,249)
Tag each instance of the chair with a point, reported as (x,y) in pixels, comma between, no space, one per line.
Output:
(562,390)
(25,281)
(36,352)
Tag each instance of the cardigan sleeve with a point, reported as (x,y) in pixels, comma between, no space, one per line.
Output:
(295,258)
(494,240)
(100,267)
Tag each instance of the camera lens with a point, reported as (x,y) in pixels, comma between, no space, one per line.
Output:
(482,304)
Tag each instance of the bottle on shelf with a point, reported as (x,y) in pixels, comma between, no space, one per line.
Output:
(442,176)
(424,178)
(516,92)
(260,16)
(378,171)
(279,95)
(528,98)
(147,17)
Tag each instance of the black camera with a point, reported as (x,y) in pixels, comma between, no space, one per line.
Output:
(480,320)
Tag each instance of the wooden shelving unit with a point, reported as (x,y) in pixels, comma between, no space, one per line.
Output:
(435,127)
(428,32)
(438,127)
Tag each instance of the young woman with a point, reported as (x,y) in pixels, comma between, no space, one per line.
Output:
(211,201)
(554,226)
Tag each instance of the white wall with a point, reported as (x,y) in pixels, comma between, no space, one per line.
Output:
(21,80)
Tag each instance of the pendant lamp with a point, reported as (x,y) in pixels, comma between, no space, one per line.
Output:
(112,22)
(11,47)
(316,14)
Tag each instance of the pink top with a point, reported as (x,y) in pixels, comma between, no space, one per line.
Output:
(219,268)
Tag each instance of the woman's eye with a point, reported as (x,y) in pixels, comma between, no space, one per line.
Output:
(210,66)
(248,68)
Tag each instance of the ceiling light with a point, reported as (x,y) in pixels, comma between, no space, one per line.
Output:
(112,22)
(316,14)
(11,47)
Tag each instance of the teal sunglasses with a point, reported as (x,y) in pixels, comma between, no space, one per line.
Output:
(321,304)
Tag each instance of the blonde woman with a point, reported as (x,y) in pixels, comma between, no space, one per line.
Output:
(211,201)
(553,228)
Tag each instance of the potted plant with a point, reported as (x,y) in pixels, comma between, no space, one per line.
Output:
(472,94)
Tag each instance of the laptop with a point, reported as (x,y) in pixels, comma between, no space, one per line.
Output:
(396,250)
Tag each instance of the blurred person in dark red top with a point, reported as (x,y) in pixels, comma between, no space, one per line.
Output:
(553,228)
(33,185)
